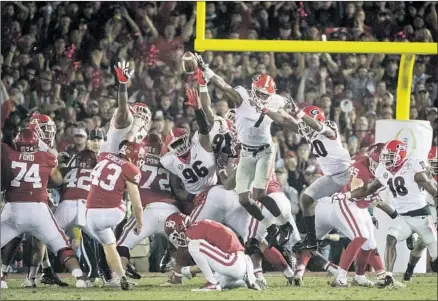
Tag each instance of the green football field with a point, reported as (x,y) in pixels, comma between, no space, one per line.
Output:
(422,287)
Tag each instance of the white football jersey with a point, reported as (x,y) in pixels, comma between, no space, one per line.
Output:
(196,174)
(254,128)
(407,194)
(219,136)
(114,136)
(332,157)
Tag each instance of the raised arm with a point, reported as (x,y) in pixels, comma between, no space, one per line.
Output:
(228,91)
(201,118)
(123,115)
(204,96)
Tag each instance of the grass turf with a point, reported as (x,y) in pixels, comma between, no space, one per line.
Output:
(422,287)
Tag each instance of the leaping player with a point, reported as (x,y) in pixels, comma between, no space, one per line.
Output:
(257,155)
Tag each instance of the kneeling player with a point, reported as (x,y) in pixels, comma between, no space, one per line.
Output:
(214,248)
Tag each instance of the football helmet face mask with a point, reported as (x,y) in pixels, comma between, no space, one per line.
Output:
(433,161)
(178,142)
(315,113)
(45,128)
(393,154)
(133,152)
(86,159)
(175,227)
(262,88)
(141,111)
(153,145)
(26,141)
(373,153)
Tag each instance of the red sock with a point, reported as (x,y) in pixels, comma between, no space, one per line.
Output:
(376,261)
(362,260)
(304,258)
(350,253)
(274,257)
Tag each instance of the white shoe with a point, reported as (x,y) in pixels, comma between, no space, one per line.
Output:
(28,283)
(261,281)
(250,279)
(363,281)
(114,282)
(339,282)
(208,287)
(81,283)
(4,284)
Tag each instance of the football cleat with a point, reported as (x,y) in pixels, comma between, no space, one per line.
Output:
(29,283)
(261,281)
(338,282)
(306,244)
(165,262)
(273,232)
(298,280)
(51,278)
(363,281)
(124,284)
(208,287)
(407,276)
(4,284)
(250,279)
(131,272)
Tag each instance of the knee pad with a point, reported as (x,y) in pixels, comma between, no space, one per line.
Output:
(66,254)
(252,247)
(418,249)
(124,252)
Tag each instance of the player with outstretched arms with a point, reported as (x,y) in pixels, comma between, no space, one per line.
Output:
(419,245)
(406,179)
(25,176)
(128,123)
(257,154)
(324,139)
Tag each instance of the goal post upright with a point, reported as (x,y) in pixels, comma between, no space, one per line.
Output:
(407,51)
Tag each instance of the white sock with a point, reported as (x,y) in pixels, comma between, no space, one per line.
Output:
(359,276)
(5,268)
(77,273)
(32,272)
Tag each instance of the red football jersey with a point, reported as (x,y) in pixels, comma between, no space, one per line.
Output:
(108,181)
(26,174)
(215,234)
(76,184)
(155,184)
(360,170)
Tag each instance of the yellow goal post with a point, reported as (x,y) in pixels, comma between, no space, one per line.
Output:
(407,51)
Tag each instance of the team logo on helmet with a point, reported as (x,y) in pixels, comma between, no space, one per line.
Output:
(401,147)
(314,112)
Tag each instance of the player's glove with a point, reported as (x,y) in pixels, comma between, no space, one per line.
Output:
(208,73)
(200,77)
(123,72)
(192,97)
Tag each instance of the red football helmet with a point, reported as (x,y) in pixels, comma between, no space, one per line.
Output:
(153,145)
(142,111)
(175,228)
(393,154)
(86,159)
(178,142)
(44,126)
(133,152)
(433,161)
(313,112)
(263,87)
(373,152)
(26,141)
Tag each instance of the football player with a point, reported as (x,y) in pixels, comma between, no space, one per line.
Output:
(156,199)
(419,245)
(130,123)
(25,174)
(213,247)
(406,179)
(257,154)
(105,205)
(326,146)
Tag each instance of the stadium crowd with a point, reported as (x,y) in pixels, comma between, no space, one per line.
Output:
(57,58)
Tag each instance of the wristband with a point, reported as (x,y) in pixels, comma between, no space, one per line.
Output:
(203,89)
(208,73)
(300,114)
(394,214)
